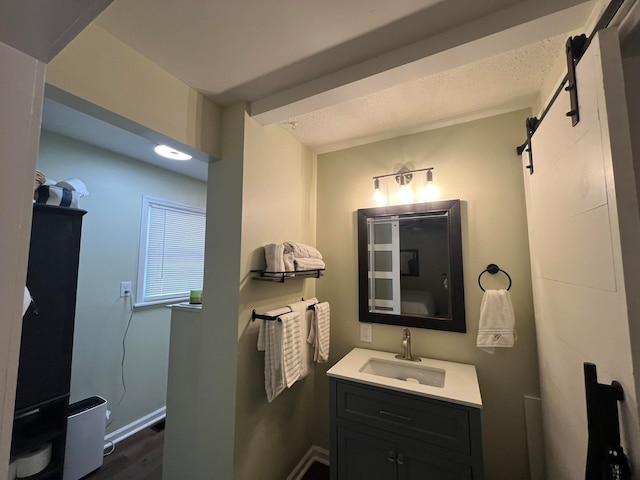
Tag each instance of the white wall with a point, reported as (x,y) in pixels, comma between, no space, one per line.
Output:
(21,92)
(477,163)
(109,255)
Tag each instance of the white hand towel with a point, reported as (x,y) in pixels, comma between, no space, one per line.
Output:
(320,332)
(273,255)
(291,347)
(497,321)
(306,317)
(300,250)
(308,263)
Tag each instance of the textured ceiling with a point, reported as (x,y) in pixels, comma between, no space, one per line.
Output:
(345,72)
(502,83)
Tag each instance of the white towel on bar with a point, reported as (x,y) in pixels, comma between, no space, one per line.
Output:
(273,374)
(273,378)
(291,347)
(273,255)
(497,321)
(263,325)
(300,250)
(306,316)
(320,332)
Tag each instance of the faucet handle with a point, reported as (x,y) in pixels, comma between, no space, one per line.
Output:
(406,333)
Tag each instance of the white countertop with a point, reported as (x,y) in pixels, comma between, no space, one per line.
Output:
(186,307)
(460,384)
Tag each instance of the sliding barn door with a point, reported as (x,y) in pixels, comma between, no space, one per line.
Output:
(584,234)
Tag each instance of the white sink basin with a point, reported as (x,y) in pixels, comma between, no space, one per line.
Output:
(405,370)
(448,381)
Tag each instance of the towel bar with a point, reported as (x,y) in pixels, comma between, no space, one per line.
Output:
(259,316)
(492,268)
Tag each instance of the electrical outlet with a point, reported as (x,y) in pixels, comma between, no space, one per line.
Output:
(366,332)
(125,289)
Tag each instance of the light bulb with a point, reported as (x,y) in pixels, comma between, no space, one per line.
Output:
(405,194)
(430,191)
(379,197)
(171,153)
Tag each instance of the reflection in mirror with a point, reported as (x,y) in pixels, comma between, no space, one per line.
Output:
(410,265)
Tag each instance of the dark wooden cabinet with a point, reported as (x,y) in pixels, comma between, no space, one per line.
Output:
(44,369)
(379,434)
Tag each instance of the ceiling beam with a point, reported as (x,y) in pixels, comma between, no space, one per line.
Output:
(517,26)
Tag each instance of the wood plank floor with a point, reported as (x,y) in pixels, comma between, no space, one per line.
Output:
(139,457)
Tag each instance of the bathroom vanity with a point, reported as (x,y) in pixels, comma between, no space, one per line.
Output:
(396,419)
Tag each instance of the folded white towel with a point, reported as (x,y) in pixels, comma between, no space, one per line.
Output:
(273,254)
(291,347)
(319,333)
(300,250)
(497,321)
(288,258)
(308,263)
(306,317)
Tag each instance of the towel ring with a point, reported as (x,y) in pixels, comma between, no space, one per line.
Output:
(492,268)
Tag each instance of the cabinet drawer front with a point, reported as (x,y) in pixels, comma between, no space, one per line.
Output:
(427,420)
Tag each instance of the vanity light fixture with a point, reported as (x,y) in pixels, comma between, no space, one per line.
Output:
(405,193)
(171,153)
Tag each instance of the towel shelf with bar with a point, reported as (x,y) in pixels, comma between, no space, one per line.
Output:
(492,268)
(280,277)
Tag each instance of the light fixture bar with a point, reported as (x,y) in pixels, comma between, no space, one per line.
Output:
(403,172)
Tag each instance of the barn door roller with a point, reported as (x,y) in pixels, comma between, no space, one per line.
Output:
(575,48)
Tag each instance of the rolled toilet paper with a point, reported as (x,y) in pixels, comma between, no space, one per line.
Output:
(26,301)
(33,461)
(13,470)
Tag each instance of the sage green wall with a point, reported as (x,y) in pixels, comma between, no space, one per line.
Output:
(219,423)
(278,205)
(475,162)
(109,255)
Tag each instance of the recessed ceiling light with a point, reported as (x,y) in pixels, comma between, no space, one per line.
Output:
(168,152)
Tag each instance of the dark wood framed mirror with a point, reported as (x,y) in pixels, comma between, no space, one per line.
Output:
(410,266)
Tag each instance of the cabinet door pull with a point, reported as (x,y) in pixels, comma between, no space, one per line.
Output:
(391,456)
(400,459)
(395,415)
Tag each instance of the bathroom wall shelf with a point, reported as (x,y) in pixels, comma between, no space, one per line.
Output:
(281,277)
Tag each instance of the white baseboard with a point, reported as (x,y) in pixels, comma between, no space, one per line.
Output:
(134,427)
(314,454)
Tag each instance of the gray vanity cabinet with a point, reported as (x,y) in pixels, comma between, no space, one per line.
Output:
(380,434)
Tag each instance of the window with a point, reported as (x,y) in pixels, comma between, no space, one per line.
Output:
(171,257)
